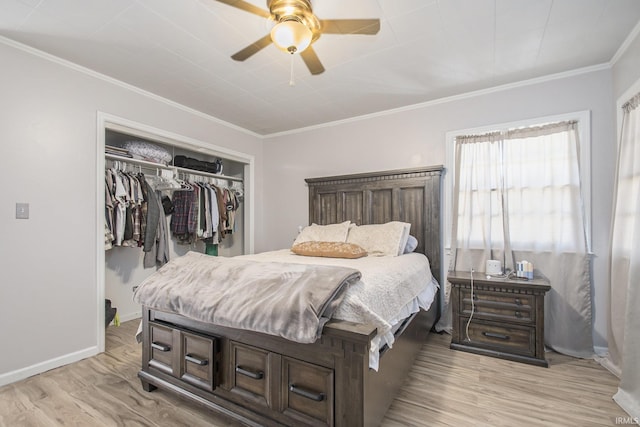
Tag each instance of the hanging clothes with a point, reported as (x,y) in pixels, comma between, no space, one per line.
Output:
(156,236)
(183,202)
(134,216)
(206,213)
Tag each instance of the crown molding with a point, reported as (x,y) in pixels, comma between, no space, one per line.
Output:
(453,98)
(625,45)
(68,64)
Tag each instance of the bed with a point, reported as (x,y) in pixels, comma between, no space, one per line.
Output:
(266,380)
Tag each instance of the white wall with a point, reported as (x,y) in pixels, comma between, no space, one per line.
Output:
(48,296)
(417,137)
(626,70)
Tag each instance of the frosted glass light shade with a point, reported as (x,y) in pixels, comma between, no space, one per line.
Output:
(291,36)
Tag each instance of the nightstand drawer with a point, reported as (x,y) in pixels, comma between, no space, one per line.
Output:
(514,339)
(499,306)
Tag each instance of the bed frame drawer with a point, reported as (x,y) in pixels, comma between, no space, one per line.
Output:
(199,364)
(250,373)
(188,356)
(162,349)
(307,392)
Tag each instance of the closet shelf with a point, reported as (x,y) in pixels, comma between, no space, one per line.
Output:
(130,160)
(207,174)
(136,161)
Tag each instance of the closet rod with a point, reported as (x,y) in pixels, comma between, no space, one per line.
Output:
(136,161)
(169,167)
(207,174)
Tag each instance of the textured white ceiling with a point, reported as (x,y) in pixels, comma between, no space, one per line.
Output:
(425,50)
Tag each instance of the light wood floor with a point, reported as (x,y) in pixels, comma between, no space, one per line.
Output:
(444,388)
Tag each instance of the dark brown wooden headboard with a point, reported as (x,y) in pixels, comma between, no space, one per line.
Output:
(407,195)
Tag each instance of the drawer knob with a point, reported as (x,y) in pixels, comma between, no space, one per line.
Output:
(518,301)
(160,347)
(518,314)
(196,360)
(498,336)
(247,373)
(318,397)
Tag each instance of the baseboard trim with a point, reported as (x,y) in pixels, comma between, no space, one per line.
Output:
(47,365)
(600,350)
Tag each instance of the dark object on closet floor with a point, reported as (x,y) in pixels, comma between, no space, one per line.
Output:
(199,165)
(109,312)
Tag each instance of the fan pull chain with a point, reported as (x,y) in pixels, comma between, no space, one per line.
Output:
(291,79)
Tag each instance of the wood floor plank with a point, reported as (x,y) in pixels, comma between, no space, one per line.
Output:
(447,387)
(13,403)
(444,388)
(34,417)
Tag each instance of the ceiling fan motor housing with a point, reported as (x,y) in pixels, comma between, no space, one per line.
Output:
(298,10)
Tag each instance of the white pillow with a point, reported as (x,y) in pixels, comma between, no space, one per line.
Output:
(324,233)
(387,239)
(412,244)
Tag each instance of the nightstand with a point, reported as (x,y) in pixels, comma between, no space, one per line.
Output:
(508,318)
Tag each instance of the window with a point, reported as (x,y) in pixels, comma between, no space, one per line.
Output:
(535,166)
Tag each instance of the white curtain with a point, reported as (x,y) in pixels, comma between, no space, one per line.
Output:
(517,196)
(624,325)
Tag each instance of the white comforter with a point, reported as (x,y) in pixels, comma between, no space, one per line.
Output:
(390,289)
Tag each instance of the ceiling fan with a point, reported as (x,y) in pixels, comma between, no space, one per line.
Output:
(297,28)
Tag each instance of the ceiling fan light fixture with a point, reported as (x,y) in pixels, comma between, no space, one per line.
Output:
(291,35)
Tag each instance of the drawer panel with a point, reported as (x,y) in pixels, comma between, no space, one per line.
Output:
(198,360)
(162,351)
(307,392)
(495,305)
(250,374)
(514,339)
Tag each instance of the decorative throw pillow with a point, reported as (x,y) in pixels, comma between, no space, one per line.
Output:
(329,249)
(387,239)
(324,233)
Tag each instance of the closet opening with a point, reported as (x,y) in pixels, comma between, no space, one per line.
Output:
(176,171)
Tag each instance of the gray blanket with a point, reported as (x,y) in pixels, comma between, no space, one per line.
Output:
(293,301)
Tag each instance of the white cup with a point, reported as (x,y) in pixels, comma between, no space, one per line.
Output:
(493,267)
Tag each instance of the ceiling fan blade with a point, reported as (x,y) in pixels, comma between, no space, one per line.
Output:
(252,48)
(350,26)
(247,7)
(311,59)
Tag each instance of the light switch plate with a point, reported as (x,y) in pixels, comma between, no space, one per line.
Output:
(22,210)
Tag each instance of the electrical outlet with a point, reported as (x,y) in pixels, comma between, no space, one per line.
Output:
(22,210)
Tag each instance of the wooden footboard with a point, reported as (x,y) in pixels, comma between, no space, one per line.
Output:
(264,380)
